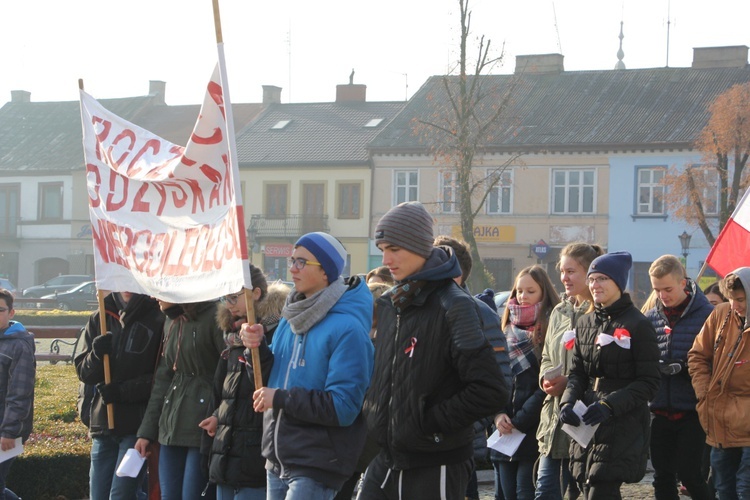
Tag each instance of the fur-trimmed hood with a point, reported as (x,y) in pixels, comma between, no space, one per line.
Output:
(266,310)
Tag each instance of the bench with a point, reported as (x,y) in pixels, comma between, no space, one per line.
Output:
(66,335)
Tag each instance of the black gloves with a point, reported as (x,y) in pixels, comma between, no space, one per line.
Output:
(597,413)
(671,366)
(102,345)
(568,416)
(110,393)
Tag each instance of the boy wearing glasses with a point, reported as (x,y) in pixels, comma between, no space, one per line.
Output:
(17,373)
(322,358)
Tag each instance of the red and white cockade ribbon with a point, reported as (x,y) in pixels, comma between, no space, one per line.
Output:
(410,350)
(620,337)
(569,339)
(667,330)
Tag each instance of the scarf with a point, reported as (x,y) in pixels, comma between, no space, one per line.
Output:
(405,292)
(518,334)
(303,313)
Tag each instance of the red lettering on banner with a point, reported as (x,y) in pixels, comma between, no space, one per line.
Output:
(152,144)
(217,94)
(91,169)
(215,138)
(111,205)
(125,134)
(138,204)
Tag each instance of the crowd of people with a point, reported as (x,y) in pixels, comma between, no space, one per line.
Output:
(379,385)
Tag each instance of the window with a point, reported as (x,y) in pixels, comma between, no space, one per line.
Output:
(405,186)
(706,179)
(373,123)
(573,191)
(281,124)
(350,200)
(498,201)
(276,200)
(651,190)
(448,192)
(9,206)
(50,201)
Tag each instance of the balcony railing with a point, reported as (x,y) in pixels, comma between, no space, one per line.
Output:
(263,226)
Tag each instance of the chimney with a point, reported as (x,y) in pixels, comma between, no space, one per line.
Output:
(20,96)
(720,57)
(352,92)
(157,88)
(271,95)
(539,63)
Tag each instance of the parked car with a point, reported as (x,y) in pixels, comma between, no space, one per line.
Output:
(57,284)
(5,283)
(79,298)
(501,298)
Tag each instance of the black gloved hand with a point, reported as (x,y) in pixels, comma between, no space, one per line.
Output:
(102,345)
(110,393)
(671,366)
(568,416)
(597,413)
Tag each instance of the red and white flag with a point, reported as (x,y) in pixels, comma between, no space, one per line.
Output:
(731,249)
(167,220)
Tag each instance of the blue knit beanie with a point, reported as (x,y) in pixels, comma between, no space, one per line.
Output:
(327,250)
(616,265)
(488,297)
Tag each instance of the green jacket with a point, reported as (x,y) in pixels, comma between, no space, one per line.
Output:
(553,442)
(183,383)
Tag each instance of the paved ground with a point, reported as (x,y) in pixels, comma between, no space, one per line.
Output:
(638,491)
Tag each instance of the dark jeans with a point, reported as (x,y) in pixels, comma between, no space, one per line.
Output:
(515,479)
(6,494)
(677,452)
(181,475)
(731,470)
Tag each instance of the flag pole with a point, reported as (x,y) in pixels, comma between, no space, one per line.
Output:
(102,323)
(255,353)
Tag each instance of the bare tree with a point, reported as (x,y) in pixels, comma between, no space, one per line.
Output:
(698,193)
(462,123)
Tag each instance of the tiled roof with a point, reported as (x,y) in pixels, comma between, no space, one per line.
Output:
(317,134)
(581,110)
(46,136)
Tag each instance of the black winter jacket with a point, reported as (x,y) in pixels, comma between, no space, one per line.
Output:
(676,391)
(136,341)
(628,379)
(435,373)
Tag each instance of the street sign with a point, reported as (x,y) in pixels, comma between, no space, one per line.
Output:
(541,249)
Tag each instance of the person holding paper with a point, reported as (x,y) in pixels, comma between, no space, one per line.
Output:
(525,324)
(677,438)
(322,355)
(719,364)
(132,342)
(615,373)
(17,374)
(553,476)
(182,389)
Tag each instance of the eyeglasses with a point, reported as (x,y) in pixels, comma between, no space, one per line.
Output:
(299,263)
(3,309)
(599,279)
(230,299)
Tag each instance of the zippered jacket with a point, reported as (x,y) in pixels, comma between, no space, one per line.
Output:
(315,428)
(676,391)
(136,340)
(435,372)
(719,364)
(17,374)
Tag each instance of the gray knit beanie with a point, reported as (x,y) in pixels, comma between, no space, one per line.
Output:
(407,225)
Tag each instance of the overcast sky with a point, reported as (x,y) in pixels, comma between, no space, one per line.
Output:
(393,45)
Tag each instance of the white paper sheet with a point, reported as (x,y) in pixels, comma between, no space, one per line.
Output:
(506,443)
(553,372)
(583,433)
(13,452)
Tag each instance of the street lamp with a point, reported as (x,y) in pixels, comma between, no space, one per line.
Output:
(685,243)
